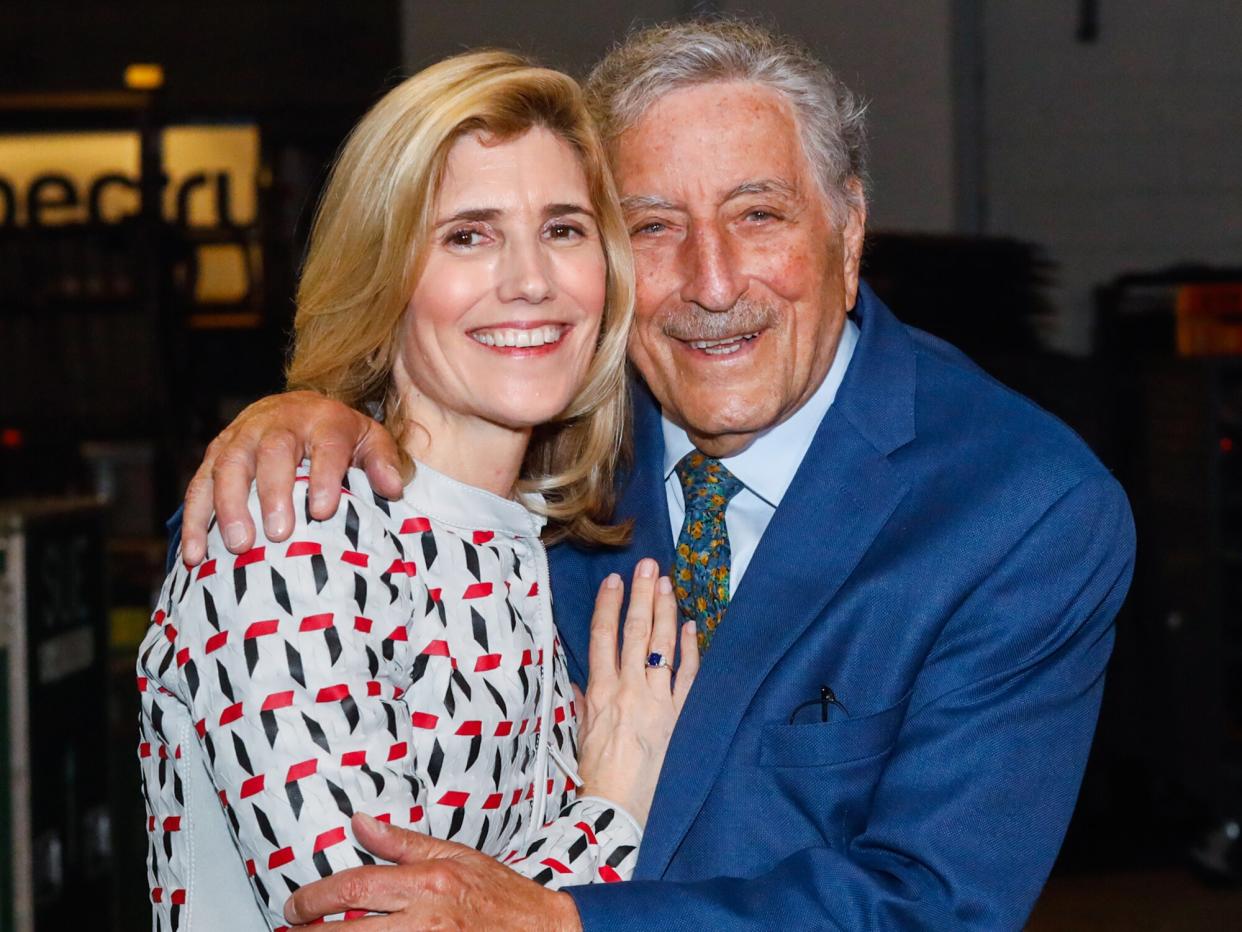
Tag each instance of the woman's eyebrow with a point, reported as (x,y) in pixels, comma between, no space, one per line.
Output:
(559,210)
(471,213)
(491,213)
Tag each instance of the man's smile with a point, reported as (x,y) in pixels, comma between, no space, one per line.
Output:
(726,346)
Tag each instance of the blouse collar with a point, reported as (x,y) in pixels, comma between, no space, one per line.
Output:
(455,503)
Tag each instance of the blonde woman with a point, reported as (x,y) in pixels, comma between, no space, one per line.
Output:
(469,279)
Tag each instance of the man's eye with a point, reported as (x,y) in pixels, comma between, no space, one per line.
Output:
(760,214)
(652,227)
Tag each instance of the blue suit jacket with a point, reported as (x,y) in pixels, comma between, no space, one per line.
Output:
(949,560)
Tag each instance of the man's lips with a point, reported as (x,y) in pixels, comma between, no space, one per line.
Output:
(724,346)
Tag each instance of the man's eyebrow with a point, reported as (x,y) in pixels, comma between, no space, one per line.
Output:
(635,202)
(763,186)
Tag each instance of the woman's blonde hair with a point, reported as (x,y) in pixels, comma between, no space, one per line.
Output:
(368,244)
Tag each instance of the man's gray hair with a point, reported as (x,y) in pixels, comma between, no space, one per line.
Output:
(655,61)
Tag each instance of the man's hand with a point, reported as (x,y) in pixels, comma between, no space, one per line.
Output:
(266,442)
(433,884)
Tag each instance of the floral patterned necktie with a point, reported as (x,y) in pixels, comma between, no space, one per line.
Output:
(701,568)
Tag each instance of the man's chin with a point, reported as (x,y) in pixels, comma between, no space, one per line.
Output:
(717,436)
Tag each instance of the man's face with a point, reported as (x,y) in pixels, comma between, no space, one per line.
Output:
(743,278)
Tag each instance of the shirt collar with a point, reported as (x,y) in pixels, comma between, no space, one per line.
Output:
(768,465)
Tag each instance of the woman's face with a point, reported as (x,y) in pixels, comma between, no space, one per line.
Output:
(503,321)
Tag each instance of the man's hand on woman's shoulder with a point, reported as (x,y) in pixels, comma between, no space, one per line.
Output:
(265,443)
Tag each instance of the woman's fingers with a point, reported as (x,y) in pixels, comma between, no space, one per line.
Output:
(580,703)
(664,626)
(602,654)
(689,666)
(637,631)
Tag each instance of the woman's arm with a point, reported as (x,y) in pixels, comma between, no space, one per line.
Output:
(292,658)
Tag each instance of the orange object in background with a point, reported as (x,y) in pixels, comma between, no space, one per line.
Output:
(1209,319)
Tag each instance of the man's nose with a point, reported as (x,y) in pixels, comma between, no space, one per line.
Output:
(525,273)
(712,278)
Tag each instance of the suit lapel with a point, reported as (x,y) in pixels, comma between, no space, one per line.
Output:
(643,497)
(576,575)
(842,495)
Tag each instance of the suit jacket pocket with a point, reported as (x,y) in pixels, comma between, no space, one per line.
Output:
(839,741)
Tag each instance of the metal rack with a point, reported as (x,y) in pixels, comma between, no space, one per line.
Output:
(55,824)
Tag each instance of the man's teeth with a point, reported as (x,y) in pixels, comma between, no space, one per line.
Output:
(722,347)
(503,336)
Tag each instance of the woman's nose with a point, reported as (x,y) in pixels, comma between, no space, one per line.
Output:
(525,274)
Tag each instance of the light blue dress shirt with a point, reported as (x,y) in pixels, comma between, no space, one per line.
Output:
(765,468)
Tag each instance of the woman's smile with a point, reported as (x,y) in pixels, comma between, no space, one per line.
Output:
(522,338)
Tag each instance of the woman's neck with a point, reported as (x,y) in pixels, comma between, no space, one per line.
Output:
(469,449)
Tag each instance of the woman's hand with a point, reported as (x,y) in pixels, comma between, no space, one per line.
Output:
(630,709)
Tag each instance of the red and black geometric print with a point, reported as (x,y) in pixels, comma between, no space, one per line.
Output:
(387,660)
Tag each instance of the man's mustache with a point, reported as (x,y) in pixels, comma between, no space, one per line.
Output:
(692,322)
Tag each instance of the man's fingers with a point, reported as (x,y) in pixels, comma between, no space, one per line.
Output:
(277,463)
(376,889)
(393,843)
(377,454)
(636,634)
(395,923)
(329,460)
(230,488)
(602,653)
(688,668)
(197,515)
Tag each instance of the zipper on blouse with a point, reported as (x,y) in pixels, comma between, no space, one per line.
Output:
(547,635)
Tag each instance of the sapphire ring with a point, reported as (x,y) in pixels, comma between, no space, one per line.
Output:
(656,660)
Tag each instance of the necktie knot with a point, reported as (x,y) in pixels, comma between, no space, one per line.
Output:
(706,484)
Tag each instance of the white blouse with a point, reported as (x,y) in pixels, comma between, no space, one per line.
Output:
(398,659)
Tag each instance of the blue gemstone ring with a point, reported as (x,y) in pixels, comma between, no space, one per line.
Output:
(655,660)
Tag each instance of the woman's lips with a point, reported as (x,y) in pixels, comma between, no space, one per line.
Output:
(521,339)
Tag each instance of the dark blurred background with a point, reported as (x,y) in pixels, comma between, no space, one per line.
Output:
(1057,188)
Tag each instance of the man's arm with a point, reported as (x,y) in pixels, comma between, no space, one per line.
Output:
(266,442)
(973,804)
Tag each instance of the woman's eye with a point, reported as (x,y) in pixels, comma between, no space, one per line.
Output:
(463,237)
(563,231)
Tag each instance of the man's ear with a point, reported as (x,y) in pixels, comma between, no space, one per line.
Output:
(853,231)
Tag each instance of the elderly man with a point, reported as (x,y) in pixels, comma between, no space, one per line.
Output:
(890,726)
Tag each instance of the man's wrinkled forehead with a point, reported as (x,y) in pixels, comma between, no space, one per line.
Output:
(782,188)
(713,142)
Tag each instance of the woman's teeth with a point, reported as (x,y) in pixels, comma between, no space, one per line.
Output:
(723,347)
(536,336)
